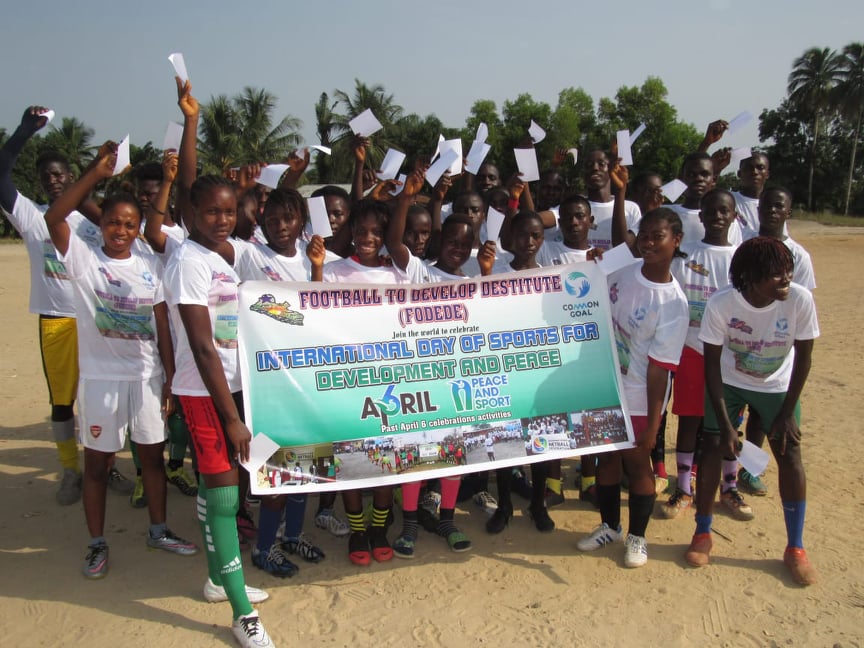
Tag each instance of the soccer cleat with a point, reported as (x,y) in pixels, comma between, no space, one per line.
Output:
(118,483)
(327,520)
(69,491)
(303,548)
(138,498)
(216,593)
(751,484)
(96,561)
(274,562)
(250,632)
(172,543)
(732,501)
(660,484)
(635,551)
(698,553)
(183,481)
(799,566)
(601,536)
(484,500)
(680,501)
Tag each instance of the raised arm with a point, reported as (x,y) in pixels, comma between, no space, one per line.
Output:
(713,134)
(399,252)
(359,146)
(187,169)
(32,120)
(296,167)
(158,209)
(619,177)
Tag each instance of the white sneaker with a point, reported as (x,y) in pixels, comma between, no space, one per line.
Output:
(216,593)
(484,500)
(327,520)
(250,632)
(635,551)
(600,537)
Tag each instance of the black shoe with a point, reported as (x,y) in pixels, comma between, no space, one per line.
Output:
(541,518)
(499,520)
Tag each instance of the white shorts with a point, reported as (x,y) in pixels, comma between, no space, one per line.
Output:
(108,408)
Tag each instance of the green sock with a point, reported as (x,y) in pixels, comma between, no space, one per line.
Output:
(207,536)
(178,439)
(222,505)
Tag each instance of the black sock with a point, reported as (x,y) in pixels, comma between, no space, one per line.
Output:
(174,464)
(445,523)
(641,507)
(409,524)
(609,503)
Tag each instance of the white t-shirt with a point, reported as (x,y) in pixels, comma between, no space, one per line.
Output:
(748,215)
(419,272)
(600,235)
(758,342)
(802,274)
(650,320)
(197,276)
(700,275)
(351,271)
(694,230)
(260,263)
(50,291)
(556,253)
(114,301)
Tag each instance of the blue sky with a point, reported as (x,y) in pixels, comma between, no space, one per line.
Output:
(106,62)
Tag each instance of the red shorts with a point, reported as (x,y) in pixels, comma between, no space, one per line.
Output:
(213,450)
(688,387)
(640,424)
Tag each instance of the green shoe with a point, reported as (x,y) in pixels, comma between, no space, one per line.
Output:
(181,479)
(138,499)
(751,484)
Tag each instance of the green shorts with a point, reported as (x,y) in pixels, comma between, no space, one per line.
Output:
(767,405)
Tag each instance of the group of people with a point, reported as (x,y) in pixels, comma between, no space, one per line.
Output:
(137,305)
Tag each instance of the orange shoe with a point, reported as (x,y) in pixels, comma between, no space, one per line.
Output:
(799,566)
(698,552)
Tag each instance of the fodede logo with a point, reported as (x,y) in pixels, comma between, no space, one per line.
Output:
(391,404)
(479,393)
(577,284)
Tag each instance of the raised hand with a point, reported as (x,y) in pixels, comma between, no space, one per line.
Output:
(359,146)
(715,131)
(298,164)
(619,175)
(188,104)
(721,159)
(169,166)
(34,118)
(559,157)
(247,176)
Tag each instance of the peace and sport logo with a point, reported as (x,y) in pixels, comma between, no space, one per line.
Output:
(577,284)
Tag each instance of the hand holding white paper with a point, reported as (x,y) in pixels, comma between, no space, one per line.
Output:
(623,138)
(482,132)
(173,136)
(738,122)
(179,64)
(122,156)
(494,221)
(536,132)
(635,134)
(271,174)
(261,448)
(526,161)
(738,155)
(398,190)
(365,124)
(391,164)
(434,172)
(453,145)
(618,257)
(48,115)
(478,152)
(318,216)
(673,190)
(753,458)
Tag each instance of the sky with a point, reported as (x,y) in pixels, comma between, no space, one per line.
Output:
(105,62)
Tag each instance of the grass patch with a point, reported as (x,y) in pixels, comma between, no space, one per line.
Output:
(829,218)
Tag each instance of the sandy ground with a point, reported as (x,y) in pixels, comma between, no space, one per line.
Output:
(519,587)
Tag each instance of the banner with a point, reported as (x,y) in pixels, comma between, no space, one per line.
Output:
(355,385)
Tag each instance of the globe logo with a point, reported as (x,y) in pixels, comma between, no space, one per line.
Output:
(539,445)
(577,284)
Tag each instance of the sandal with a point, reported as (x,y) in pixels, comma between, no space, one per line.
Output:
(358,548)
(404,547)
(381,549)
(458,541)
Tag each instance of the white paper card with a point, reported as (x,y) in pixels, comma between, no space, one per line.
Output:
(738,122)
(48,115)
(173,136)
(482,132)
(575,153)
(753,458)
(494,221)
(739,155)
(261,448)
(179,66)
(623,137)
(478,152)
(391,164)
(122,156)
(326,150)
(616,258)
(526,161)
(400,186)
(365,124)
(673,190)
(635,134)
(453,145)
(537,134)
(434,172)
(271,174)
(318,216)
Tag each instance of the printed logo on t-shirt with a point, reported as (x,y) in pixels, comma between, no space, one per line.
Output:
(225,310)
(698,268)
(740,325)
(53,267)
(95,431)
(272,275)
(782,328)
(111,280)
(147,278)
(124,317)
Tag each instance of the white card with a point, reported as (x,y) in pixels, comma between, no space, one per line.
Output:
(326,150)
(453,145)
(261,448)
(365,124)
(401,179)
(482,132)
(391,164)
(738,122)
(318,216)
(753,458)
(673,190)
(618,257)
(122,156)
(434,172)
(179,66)
(494,221)
(173,136)
(738,156)
(623,137)
(437,149)
(526,161)
(48,115)
(537,134)
(575,153)
(271,174)
(478,152)
(635,134)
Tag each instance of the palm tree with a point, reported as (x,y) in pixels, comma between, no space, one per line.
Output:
(383,107)
(260,140)
(811,85)
(325,128)
(74,139)
(218,145)
(850,98)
